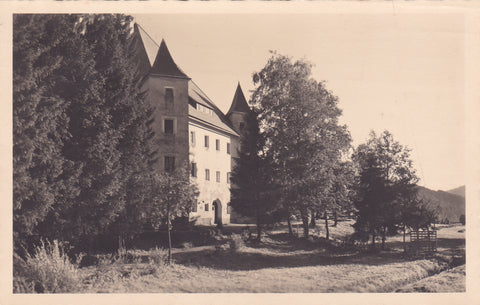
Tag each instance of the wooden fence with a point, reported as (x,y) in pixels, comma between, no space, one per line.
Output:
(423,241)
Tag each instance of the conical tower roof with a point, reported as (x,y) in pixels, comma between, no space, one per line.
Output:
(239,103)
(139,52)
(164,63)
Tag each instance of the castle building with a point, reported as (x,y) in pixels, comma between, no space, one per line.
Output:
(190,129)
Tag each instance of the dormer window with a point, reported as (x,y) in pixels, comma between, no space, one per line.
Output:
(204,109)
(192,103)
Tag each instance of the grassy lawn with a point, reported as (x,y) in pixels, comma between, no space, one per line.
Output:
(452,280)
(327,278)
(283,264)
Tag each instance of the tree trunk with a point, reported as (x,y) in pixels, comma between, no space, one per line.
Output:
(404,242)
(313,223)
(384,237)
(327,232)
(373,239)
(290,230)
(259,229)
(169,238)
(122,251)
(335,219)
(305,224)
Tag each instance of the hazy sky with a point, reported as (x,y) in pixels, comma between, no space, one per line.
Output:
(400,72)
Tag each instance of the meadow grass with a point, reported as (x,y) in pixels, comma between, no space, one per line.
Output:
(452,280)
(279,263)
(47,270)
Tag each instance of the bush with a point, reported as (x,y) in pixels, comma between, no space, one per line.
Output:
(236,242)
(48,270)
(20,283)
(158,256)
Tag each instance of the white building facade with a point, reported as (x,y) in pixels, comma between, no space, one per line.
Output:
(191,130)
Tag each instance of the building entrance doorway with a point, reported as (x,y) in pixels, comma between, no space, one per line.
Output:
(217,206)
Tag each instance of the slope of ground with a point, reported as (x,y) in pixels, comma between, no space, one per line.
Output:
(448,206)
(452,280)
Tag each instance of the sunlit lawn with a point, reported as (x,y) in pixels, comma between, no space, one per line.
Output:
(278,264)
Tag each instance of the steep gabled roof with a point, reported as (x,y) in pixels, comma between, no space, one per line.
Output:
(217,119)
(239,103)
(164,64)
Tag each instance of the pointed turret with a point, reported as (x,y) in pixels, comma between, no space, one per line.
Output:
(164,64)
(239,103)
(140,54)
(238,110)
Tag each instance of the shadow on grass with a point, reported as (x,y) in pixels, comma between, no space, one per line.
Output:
(285,243)
(253,260)
(284,251)
(450,243)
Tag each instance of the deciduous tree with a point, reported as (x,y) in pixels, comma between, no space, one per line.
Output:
(173,195)
(299,119)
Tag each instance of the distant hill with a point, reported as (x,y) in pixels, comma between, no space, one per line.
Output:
(460,191)
(448,206)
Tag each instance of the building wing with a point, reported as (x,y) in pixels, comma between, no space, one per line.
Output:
(204,111)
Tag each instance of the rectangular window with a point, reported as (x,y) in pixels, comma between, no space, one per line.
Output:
(194,169)
(194,206)
(228,178)
(217,144)
(169,98)
(168,126)
(207,174)
(228,148)
(206,207)
(206,141)
(192,138)
(218,176)
(169,164)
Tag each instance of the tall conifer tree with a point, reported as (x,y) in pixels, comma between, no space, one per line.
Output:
(43,48)
(253,192)
(387,189)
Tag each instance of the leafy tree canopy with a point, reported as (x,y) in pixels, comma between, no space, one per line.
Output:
(298,117)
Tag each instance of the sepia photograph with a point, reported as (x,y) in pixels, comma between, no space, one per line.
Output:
(239,152)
